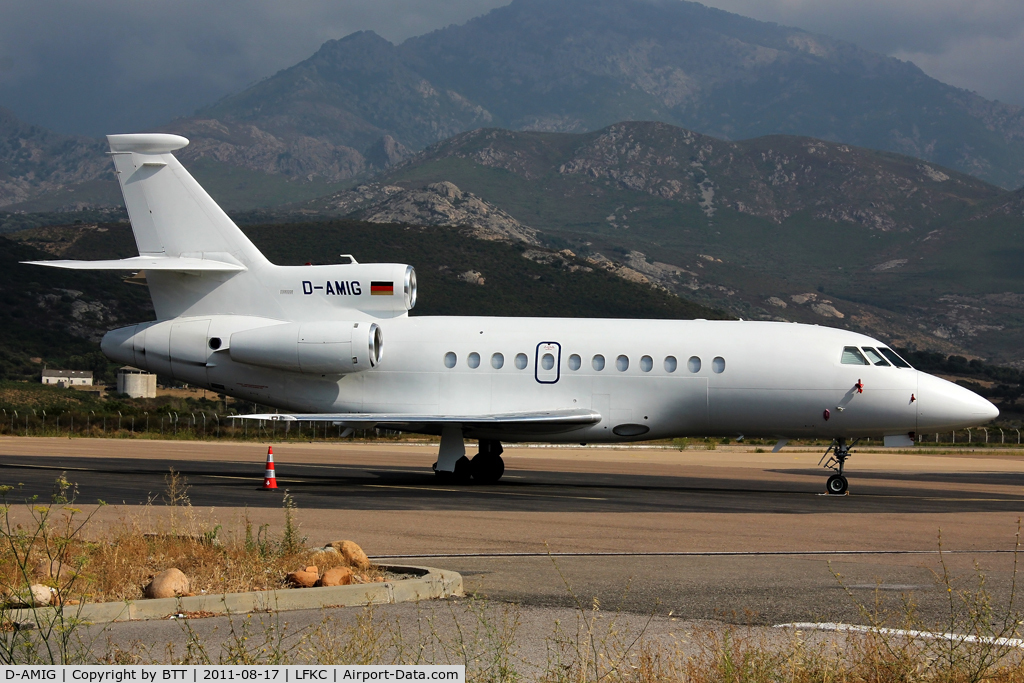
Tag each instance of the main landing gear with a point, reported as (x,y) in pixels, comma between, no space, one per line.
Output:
(837,454)
(486,467)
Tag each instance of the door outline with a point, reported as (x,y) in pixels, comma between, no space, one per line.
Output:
(558,363)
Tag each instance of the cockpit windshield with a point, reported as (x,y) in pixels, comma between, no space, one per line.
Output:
(892,356)
(875,357)
(853,356)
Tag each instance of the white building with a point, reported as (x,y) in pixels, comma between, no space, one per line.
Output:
(67,378)
(136,383)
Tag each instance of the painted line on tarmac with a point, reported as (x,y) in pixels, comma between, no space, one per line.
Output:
(926,635)
(707,553)
(49,467)
(489,492)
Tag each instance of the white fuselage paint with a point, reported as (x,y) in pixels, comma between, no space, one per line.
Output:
(778,378)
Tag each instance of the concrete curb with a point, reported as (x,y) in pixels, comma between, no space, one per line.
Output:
(429,584)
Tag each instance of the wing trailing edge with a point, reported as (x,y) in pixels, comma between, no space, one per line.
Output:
(369,420)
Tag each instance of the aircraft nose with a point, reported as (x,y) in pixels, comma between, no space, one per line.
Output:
(944,405)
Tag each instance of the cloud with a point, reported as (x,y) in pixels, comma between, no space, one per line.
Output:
(973,44)
(96,66)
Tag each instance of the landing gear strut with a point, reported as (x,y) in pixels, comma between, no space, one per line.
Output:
(837,454)
(486,467)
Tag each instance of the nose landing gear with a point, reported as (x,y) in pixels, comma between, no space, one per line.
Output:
(836,456)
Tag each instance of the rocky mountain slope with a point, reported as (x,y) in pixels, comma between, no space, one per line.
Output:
(776,227)
(34,160)
(360,104)
(440,203)
(579,65)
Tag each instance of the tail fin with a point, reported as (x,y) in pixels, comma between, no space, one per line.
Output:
(171,214)
(196,260)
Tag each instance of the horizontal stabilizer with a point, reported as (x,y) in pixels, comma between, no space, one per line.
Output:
(176,263)
(369,420)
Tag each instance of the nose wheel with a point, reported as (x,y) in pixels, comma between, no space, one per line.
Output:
(837,485)
(835,460)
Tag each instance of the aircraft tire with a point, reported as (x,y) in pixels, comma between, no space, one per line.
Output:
(463,470)
(836,485)
(487,468)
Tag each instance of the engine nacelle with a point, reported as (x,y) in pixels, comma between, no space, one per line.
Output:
(323,348)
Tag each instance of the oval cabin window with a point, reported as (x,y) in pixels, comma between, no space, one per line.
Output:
(473,360)
(622,363)
(693,364)
(575,362)
(450,359)
(718,365)
(598,362)
(547,361)
(497,360)
(671,363)
(646,363)
(521,361)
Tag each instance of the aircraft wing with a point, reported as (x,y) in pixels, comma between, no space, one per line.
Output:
(174,263)
(553,418)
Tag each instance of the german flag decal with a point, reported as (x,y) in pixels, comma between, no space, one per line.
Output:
(382,288)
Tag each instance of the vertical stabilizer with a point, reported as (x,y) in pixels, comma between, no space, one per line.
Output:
(171,214)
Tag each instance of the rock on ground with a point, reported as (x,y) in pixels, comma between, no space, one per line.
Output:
(41,595)
(167,584)
(302,579)
(336,576)
(353,554)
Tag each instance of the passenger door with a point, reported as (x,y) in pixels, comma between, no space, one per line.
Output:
(547,362)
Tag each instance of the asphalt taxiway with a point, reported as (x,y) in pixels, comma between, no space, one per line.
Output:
(755,539)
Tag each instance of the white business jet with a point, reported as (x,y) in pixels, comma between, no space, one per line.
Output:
(335,343)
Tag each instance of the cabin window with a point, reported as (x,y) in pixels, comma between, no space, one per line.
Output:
(473,360)
(693,364)
(521,361)
(875,357)
(450,359)
(646,363)
(622,363)
(718,365)
(575,362)
(547,361)
(893,357)
(598,362)
(671,363)
(853,356)
(497,361)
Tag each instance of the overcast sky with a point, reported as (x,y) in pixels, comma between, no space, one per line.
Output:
(100,66)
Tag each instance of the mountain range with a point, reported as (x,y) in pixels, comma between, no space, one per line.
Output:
(361,104)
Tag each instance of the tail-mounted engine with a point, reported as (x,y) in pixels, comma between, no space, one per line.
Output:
(186,348)
(331,348)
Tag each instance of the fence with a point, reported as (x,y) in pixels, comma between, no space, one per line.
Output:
(978,435)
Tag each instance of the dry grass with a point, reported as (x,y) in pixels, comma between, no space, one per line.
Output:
(118,564)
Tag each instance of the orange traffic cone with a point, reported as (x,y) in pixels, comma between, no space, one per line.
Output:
(269,479)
